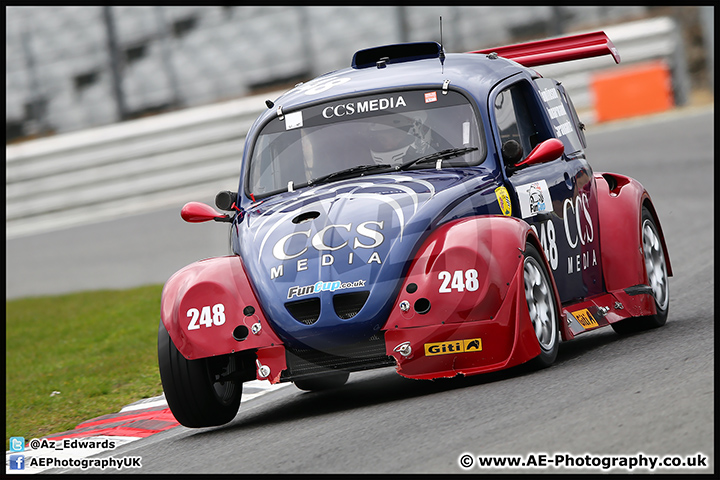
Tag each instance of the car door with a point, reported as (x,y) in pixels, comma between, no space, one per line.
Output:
(557,198)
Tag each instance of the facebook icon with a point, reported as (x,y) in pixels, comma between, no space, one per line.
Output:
(17,462)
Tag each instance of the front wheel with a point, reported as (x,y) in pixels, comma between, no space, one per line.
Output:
(541,305)
(657,279)
(193,390)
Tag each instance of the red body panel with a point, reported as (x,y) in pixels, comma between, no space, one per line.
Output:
(495,312)
(556,50)
(201,286)
(620,211)
(619,304)
(274,358)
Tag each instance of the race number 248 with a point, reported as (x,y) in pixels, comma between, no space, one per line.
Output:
(460,280)
(208,316)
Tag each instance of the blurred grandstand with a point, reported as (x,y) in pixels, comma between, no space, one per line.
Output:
(71,68)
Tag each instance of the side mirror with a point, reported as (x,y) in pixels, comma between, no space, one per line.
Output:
(547,151)
(196,212)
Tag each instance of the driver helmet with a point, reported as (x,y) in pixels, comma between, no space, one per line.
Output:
(392,136)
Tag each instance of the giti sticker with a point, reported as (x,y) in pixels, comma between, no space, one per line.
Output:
(431,97)
(503,199)
(454,346)
(585,318)
(534,199)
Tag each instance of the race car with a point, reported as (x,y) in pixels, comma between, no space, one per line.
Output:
(428,211)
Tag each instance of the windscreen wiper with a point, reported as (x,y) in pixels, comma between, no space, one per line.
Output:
(348,172)
(441,155)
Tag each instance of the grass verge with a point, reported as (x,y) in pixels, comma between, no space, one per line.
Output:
(98,349)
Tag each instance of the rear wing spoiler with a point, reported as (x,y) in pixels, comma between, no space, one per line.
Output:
(554,50)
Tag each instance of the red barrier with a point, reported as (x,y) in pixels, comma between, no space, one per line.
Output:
(636,90)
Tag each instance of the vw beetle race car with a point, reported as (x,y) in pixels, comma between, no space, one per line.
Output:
(429,211)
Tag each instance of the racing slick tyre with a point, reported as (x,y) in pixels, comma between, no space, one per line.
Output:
(194,396)
(541,305)
(657,279)
(322,382)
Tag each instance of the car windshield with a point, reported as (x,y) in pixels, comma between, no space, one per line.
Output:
(364,135)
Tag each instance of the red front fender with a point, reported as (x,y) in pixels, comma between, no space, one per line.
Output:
(209,308)
(465,284)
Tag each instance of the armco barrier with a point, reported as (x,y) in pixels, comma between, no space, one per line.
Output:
(169,159)
(125,168)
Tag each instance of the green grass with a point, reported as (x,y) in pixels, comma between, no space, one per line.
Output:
(98,349)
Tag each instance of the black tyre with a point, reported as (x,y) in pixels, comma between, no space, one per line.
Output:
(192,391)
(657,279)
(322,382)
(543,309)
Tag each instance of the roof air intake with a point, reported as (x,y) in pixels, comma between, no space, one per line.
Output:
(401,52)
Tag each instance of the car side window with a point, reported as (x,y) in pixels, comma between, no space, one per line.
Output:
(563,117)
(516,120)
(573,114)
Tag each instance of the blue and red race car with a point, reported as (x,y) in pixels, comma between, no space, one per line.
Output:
(429,211)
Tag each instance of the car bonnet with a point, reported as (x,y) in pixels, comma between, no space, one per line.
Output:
(326,261)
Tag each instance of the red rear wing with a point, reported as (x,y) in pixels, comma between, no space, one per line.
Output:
(554,50)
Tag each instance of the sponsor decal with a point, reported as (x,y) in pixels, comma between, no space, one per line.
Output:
(580,231)
(368,235)
(503,199)
(431,97)
(455,346)
(534,199)
(293,120)
(563,129)
(581,211)
(557,112)
(364,106)
(585,318)
(581,261)
(466,133)
(321,286)
(549,94)
(338,242)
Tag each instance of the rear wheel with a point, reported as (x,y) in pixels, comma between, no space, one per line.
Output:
(541,305)
(657,279)
(193,390)
(322,382)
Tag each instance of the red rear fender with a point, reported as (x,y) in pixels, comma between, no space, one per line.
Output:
(620,202)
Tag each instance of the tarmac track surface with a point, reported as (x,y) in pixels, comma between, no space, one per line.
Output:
(649,393)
